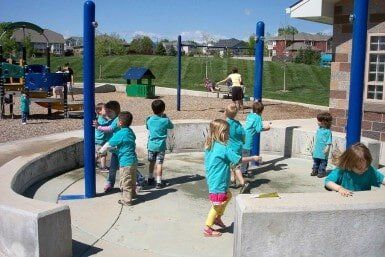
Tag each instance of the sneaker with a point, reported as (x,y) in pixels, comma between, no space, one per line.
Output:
(107,188)
(104,170)
(245,189)
(151,181)
(159,185)
(24,123)
(313,173)
(321,175)
(125,203)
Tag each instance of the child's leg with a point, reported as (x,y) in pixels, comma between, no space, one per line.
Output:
(159,167)
(245,165)
(151,159)
(126,179)
(238,174)
(114,166)
(322,168)
(316,164)
(224,204)
(103,162)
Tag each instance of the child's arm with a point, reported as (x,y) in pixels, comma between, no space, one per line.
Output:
(252,158)
(104,148)
(334,187)
(170,125)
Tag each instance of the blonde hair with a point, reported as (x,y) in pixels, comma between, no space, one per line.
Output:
(353,156)
(231,111)
(219,131)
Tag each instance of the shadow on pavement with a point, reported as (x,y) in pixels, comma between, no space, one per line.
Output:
(80,249)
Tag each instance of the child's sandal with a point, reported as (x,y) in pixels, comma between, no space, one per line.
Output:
(219,223)
(209,232)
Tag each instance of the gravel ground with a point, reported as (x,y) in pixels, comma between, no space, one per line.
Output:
(192,108)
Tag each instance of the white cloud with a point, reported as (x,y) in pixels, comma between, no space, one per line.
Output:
(247,11)
(201,36)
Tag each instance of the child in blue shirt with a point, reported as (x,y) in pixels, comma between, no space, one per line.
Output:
(253,125)
(236,141)
(218,158)
(100,136)
(157,126)
(112,109)
(322,143)
(354,172)
(24,106)
(124,141)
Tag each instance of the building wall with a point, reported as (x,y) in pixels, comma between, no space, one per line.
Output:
(373,125)
(280,46)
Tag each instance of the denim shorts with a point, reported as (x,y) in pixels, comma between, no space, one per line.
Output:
(157,157)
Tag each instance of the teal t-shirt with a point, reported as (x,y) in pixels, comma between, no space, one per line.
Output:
(24,104)
(253,126)
(157,132)
(114,125)
(124,141)
(236,135)
(217,165)
(356,182)
(100,136)
(323,138)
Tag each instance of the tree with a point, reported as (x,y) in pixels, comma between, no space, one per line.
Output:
(111,44)
(142,45)
(173,51)
(252,44)
(160,50)
(288,30)
(307,56)
(6,41)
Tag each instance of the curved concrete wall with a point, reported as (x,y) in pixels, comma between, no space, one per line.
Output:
(29,227)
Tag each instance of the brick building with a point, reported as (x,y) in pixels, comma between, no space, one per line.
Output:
(288,45)
(337,14)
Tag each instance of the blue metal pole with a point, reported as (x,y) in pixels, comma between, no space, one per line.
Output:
(258,77)
(89,98)
(357,72)
(179,88)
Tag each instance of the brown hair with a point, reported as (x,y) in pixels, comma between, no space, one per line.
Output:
(219,131)
(354,156)
(234,70)
(158,106)
(114,106)
(99,107)
(258,107)
(231,111)
(325,119)
(125,118)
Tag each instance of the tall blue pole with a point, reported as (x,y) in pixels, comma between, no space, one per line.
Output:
(357,72)
(179,88)
(258,77)
(89,98)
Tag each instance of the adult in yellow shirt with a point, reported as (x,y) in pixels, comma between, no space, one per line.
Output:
(236,88)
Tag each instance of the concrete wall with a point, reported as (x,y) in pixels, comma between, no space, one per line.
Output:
(310,224)
(29,227)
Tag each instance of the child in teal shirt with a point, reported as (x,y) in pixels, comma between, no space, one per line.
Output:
(24,106)
(253,125)
(157,126)
(100,136)
(124,141)
(322,143)
(236,141)
(218,158)
(112,109)
(354,172)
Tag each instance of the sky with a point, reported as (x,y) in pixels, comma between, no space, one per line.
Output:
(160,18)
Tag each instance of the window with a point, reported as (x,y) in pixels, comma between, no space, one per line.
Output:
(375,68)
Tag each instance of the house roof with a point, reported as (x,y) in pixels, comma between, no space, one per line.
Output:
(74,41)
(230,43)
(53,37)
(301,37)
(138,73)
(300,45)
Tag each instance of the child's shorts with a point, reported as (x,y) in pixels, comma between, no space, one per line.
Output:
(97,148)
(157,157)
(218,198)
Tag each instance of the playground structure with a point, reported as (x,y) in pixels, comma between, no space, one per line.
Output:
(36,80)
(140,89)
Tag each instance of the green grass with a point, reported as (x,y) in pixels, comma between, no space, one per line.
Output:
(306,83)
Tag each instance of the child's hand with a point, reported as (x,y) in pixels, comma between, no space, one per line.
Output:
(95,124)
(267,127)
(344,192)
(257,158)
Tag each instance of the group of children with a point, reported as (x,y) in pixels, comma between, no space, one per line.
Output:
(113,133)
(227,154)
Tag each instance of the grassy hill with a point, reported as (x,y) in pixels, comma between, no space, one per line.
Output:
(306,83)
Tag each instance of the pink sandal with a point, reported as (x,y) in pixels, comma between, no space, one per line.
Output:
(218,221)
(209,232)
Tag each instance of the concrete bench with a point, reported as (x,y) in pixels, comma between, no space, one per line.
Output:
(29,227)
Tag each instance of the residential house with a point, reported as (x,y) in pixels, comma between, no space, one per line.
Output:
(39,41)
(288,45)
(232,46)
(72,42)
(337,13)
(190,47)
